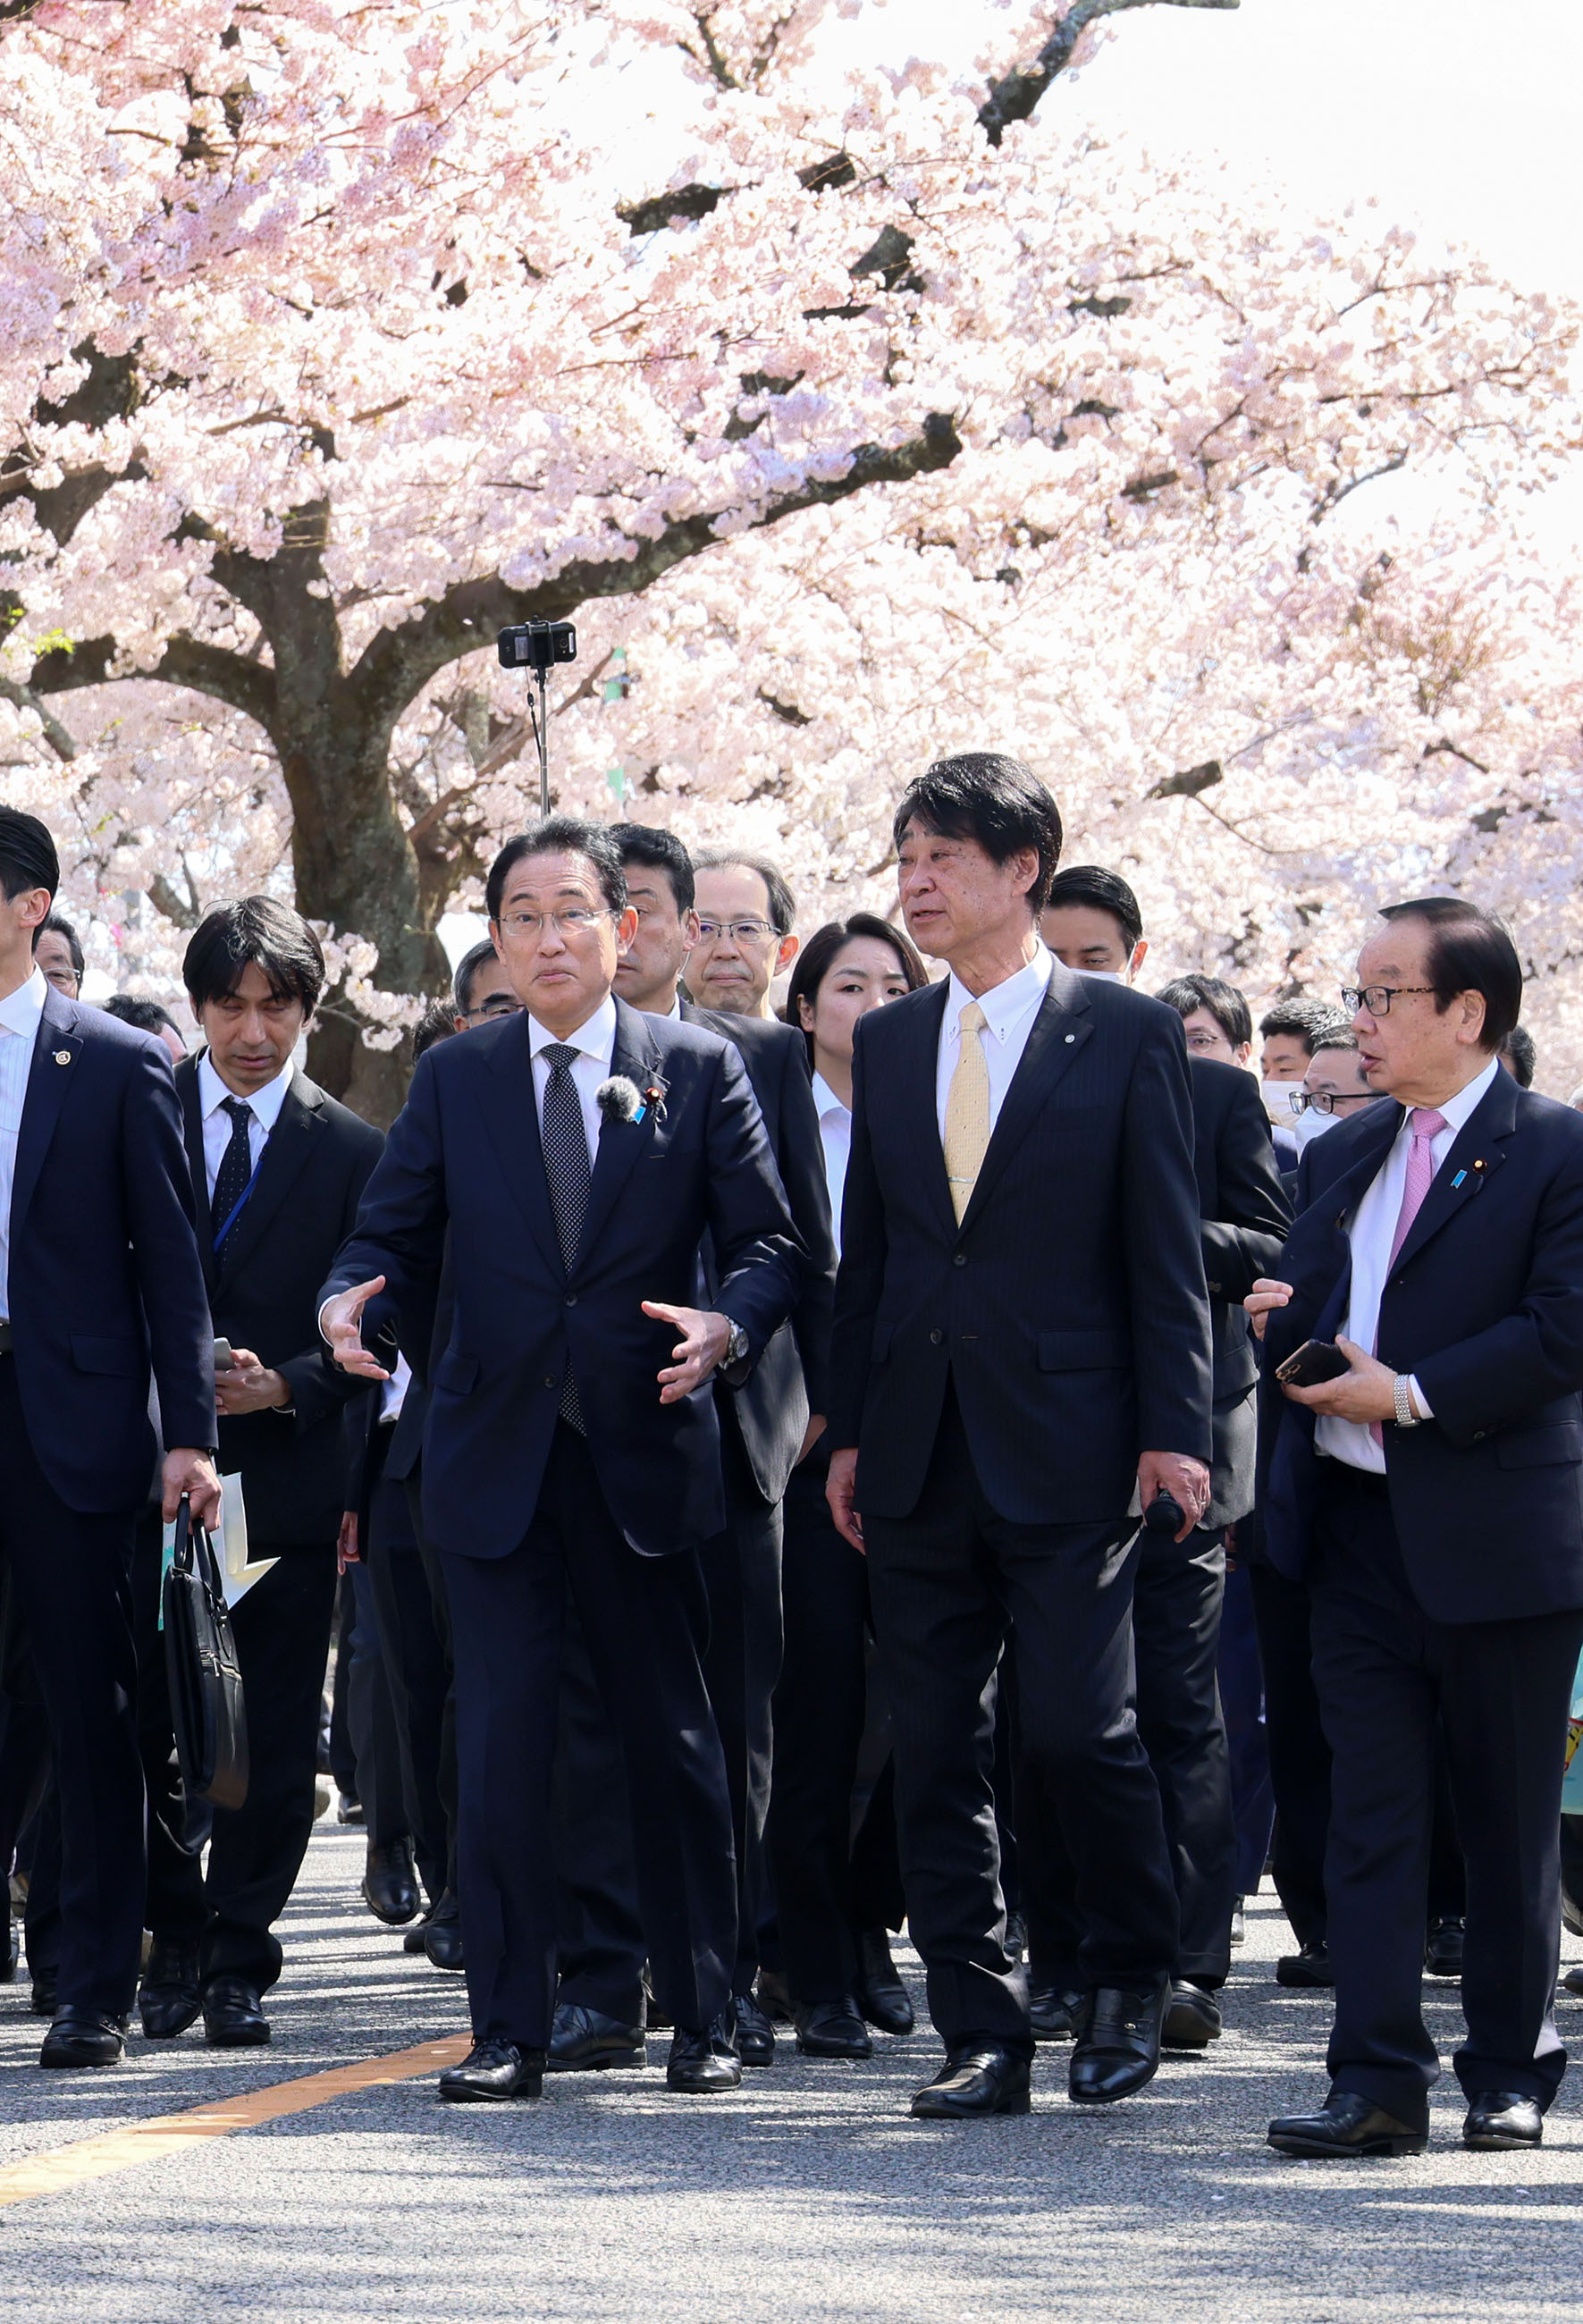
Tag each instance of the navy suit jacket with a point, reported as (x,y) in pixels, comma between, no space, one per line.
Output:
(1243,1216)
(1068,1309)
(105,1278)
(790,1380)
(1485,1304)
(465,1153)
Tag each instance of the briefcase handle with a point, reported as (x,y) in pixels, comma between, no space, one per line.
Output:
(181,1554)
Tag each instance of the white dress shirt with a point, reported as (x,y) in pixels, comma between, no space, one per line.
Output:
(1009,1010)
(20,1012)
(392,1392)
(836,1131)
(595,1045)
(1371,1231)
(264,1106)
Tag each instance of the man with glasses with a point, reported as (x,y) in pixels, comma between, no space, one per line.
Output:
(574,1155)
(1431,1496)
(745,940)
(1333,1088)
(481,989)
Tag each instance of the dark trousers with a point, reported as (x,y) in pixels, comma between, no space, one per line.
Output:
(417,1673)
(821,1705)
(599,1946)
(1176,1628)
(439,1607)
(741,1664)
(371,1717)
(643,1618)
(1389,1678)
(70,1579)
(950,1583)
(1242,1705)
(282,1630)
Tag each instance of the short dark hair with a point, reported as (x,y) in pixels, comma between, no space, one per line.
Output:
(989,796)
(1340,1036)
(27,854)
(1090,885)
(561,834)
(1306,1021)
(261,933)
(1469,951)
(1519,1053)
(783,904)
(438,1023)
(1225,1004)
(56,924)
(661,851)
(467,970)
(147,1016)
(819,955)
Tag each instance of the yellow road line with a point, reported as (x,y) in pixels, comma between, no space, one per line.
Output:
(142,2142)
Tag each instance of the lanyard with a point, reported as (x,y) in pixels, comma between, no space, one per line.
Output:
(240,1205)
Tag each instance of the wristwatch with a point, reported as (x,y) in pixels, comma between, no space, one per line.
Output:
(736,1347)
(1405,1415)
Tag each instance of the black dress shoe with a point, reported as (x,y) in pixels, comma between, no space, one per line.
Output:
(412,1942)
(42,2000)
(1053,2012)
(232,2014)
(168,1999)
(1573,1980)
(1309,1965)
(657,2019)
(389,1882)
(704,2060)
(1239,1921)
(755,2035)
(880,1994)
(349,1808)
(975,2080)
(1117,2045)
(1503,2118)
(81,2037)
(1193,2018)
(774,1996)
(494,2070)
(585,2039)
(832,2029)
(441,1938)
(1442,1948)
(1346,2125)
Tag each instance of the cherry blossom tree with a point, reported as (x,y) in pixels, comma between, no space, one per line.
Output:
(851,421)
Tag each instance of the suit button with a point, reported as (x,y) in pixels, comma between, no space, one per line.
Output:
(550,1382)
(1478,1436)
(960,1260)
(935,1338)
(571,1299)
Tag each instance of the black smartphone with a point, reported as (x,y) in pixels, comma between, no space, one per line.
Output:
(1314,1361)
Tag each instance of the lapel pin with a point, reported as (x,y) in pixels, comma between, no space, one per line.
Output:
(1072,1037)
(62,1056)
(1458,1180)
(1481,1164)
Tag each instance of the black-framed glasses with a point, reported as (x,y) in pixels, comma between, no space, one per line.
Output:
(499,1004)
(1377,998)
(1326,1101)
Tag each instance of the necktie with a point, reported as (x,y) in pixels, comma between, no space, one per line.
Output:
(1426,1125)
(235,1167)
(567,1168)
(967,1111)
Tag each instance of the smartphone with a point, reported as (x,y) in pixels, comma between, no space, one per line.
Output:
(1314,1361)
(224,1359)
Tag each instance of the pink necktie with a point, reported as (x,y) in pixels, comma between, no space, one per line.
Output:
(1426,1125)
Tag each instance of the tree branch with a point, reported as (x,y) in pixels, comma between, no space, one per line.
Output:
(1015,98)
(246,686)
(61,741)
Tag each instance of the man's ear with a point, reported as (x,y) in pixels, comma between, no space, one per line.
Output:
(786,952)
(1140,953)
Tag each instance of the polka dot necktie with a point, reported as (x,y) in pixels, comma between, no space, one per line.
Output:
(566,1166)
(235,1171)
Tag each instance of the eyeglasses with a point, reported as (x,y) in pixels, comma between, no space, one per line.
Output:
(499,1004)
(740,932)
(577,920)
(1377,998)
(1326,1101)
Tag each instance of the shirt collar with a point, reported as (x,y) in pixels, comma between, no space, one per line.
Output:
(1004,1005)
(266,1103)
(825,1101)
(21,1010)
(596,1038)
(1456,1108)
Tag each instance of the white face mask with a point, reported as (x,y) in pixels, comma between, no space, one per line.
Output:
(1311,1124)
(1103,975)
(1277,1098)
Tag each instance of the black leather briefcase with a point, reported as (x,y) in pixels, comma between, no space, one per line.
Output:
(207,1710)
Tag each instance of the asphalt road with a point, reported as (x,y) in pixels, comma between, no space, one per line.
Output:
(810,2196)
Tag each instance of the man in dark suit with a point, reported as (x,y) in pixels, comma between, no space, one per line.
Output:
(277,1167)
(1431,1496)
(1092,921)
(765,1425)
(99,1283)
(1022,1340)
(572,1443)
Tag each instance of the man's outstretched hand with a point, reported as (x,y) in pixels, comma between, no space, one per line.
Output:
(340,1320)
(701,1345)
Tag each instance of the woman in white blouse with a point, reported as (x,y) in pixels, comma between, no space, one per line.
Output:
(836,1897)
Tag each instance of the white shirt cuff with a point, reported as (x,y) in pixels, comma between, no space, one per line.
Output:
(1420,1401)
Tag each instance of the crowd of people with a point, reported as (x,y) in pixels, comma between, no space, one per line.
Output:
(967,1449)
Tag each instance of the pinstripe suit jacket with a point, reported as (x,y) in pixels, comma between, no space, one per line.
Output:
(1068,1309)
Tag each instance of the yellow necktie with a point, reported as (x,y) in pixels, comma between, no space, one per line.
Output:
(967,1111)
